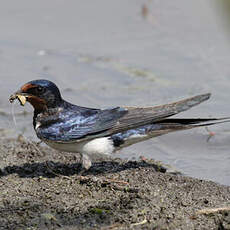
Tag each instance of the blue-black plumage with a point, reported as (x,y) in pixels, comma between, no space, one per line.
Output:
(73,128)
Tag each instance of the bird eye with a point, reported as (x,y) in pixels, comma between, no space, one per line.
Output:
(40,89)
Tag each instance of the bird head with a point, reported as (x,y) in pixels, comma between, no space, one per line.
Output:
(41,94)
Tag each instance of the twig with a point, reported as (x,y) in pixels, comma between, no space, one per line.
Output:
(210,134)
(212,210)
(140,223)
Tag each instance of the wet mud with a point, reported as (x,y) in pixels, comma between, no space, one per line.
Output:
(45,189)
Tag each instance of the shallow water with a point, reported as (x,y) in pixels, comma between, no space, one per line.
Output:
(105,53)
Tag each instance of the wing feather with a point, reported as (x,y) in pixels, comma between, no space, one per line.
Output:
(141,116)
(111,121)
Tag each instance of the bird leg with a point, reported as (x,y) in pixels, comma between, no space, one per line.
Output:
(85,161)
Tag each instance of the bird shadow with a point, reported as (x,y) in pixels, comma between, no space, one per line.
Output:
(52,169)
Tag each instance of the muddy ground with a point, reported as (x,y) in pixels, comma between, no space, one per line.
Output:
(43,189)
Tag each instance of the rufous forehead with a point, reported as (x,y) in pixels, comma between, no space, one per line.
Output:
(26,87)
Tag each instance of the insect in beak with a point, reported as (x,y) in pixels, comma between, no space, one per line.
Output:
(22,98)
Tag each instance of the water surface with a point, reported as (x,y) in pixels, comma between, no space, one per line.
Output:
(105,53)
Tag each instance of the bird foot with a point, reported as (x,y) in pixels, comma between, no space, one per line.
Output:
(85,164)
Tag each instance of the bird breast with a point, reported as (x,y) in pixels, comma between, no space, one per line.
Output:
(101,146)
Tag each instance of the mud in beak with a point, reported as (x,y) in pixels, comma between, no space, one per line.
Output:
(22,97)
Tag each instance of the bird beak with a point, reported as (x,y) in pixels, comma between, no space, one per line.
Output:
(22,97)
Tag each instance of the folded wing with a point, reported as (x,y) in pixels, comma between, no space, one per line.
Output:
(70,127)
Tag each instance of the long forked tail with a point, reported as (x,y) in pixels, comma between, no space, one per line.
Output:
(189,123)
(162,127)
(177,124)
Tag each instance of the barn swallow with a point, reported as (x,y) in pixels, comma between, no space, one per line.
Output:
(72,128)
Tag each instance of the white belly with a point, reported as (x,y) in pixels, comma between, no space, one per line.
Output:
(97,146)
